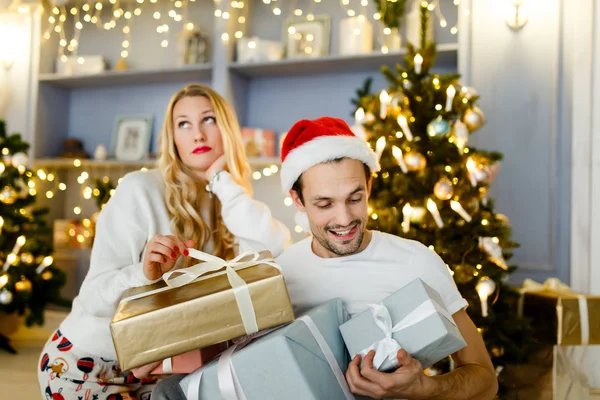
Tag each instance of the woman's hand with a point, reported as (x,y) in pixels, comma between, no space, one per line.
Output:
(162,252)
(216,166)
(143,371)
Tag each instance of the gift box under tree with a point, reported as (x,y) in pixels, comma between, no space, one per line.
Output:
(566,324)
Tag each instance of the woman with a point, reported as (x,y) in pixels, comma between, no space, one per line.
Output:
(198,197)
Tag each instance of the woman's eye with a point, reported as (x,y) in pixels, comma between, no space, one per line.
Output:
(209,120)
(183,124)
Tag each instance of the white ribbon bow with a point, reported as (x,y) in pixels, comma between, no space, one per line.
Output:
(387,348)
(210,268)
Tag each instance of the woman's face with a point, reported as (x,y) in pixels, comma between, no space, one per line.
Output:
(197,137)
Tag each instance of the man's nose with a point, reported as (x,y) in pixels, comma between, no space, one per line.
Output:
(344,216)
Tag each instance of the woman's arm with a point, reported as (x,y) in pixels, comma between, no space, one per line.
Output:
(117,255)
(248,219)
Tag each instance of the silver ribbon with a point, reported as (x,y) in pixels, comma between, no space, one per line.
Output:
(229,384)
(387,348)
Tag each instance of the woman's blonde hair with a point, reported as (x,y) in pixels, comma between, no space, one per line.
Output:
(185,195)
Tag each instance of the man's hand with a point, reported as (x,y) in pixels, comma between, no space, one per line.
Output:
(408,381)
(162,252)
(473,379)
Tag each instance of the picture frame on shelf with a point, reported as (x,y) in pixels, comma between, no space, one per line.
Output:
(304,38)
(131,137)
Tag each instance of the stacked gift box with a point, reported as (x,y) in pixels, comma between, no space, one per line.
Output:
(231,324)
(566,324)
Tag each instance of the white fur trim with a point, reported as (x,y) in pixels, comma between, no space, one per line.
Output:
(322,149)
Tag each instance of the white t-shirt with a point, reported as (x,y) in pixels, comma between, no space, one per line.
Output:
(388,263)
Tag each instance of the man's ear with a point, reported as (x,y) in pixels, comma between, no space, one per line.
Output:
(369,186)
(297,201)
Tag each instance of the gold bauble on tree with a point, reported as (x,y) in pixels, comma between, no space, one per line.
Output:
(463,273)
(444,189)
(415,161)
(503,218)
(473,118)
(24,285)
(8,195)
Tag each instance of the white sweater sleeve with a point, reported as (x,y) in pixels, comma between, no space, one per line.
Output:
(249,220)
(117,253)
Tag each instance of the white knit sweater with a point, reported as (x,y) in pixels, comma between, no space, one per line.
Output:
(134,214)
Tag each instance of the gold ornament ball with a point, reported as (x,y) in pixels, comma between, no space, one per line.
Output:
(415,161)
(47,275)
(503,218)
(463,273)
(8,195)
(24,285)
(27,258)
(443,189)
(473,118)
(497,351)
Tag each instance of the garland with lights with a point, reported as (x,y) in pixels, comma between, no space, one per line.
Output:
(28,279)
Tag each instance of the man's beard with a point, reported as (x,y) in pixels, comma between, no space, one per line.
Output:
(347,248)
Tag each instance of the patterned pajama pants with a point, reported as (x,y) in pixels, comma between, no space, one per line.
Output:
(65,373)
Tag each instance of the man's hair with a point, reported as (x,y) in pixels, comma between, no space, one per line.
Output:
(297,186)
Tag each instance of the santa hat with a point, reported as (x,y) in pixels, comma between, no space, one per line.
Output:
(312,142)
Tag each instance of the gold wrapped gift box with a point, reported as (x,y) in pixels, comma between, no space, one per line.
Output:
(556,313)
(198,314)
(552,373)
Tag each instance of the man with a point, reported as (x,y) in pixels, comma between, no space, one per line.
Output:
(327,171)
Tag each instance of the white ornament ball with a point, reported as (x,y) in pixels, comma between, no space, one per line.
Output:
(6,297)
(443,189)
(461,134)
(415,161)
(19,159)
(473,118)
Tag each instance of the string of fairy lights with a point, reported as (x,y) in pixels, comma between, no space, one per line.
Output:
(87,191)
(167,14)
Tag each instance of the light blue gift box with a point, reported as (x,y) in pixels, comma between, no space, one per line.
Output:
(285,364)
(425,332)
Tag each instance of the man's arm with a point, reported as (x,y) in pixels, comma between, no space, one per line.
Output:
(473,378)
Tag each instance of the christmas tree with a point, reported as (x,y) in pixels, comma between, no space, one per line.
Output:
(433,188)
(28,280)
